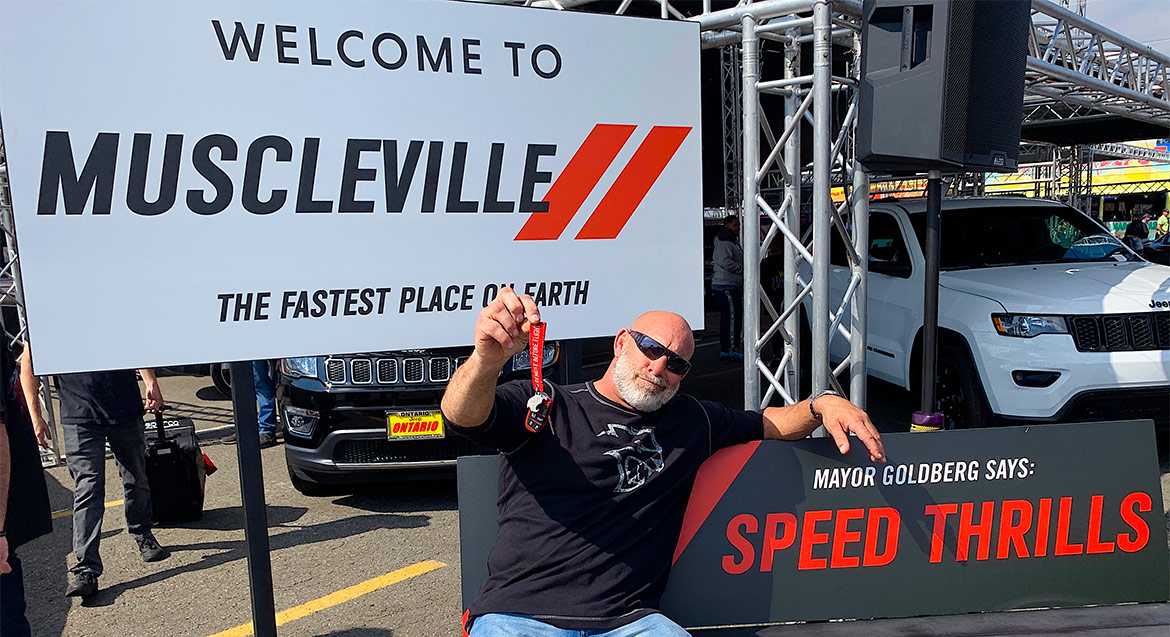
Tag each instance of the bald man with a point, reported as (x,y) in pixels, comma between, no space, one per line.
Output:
(590,507)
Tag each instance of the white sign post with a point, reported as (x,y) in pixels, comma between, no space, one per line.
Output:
(205,181)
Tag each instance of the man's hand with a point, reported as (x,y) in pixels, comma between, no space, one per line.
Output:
(841,418)
(5,568)
(43,432)
(501,331)
(154,397)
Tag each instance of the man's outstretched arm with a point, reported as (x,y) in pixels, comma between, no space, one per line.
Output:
(839,416)
(501,331)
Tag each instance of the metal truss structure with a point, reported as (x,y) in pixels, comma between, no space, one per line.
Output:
(1129,151)
(1066,173)
(1077,67)
(777,329)
(11,296)
(763,155)
(731,83)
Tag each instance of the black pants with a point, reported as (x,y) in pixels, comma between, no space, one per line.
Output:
(13,623)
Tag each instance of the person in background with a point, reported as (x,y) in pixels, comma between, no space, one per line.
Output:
(727,285)
(1137,231)
(264,380)
(96,408)
(1163,225)
(24,500)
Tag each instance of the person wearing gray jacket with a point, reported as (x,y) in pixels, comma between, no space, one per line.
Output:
(727,285)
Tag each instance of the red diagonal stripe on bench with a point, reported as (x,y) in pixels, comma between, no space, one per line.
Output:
(712,481)
(634,182)
(575,183)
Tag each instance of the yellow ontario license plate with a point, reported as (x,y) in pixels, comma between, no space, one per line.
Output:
(414,425)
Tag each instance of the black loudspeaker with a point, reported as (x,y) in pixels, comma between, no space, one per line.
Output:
(942,84)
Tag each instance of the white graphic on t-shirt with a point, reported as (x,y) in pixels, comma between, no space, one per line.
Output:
(636,461)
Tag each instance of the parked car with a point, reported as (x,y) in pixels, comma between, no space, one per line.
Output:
(1044,316)
(220,374)
(363,418)
(1158,250)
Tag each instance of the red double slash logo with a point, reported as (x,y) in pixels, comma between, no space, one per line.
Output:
(585,169)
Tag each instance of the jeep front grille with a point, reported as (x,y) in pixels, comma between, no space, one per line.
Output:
(387,370)
(412,370)
(390,370)
(335,370)
(362,371)
(440,369)
(1121,332)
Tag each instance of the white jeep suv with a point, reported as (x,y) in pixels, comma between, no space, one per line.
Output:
(1044,316)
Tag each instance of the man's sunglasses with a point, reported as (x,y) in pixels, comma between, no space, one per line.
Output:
(654,350)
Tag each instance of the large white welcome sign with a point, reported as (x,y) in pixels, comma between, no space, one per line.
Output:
(204,181)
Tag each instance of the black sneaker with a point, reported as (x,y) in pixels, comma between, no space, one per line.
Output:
(229,439)
(151,551)
(268,440)
(83,585)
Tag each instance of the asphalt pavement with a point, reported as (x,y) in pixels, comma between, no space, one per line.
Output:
(375,561)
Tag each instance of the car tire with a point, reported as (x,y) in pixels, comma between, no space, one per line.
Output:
(959,392)
(221,377)
(310,489)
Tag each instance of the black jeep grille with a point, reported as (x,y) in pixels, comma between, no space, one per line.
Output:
(1120,404)
(387,370)
(335,370)
(412,369)
(390,370)
(440,370)
(362,371)
(370,451)
(1121,332)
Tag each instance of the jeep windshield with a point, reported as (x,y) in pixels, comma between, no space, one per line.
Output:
(1020,235)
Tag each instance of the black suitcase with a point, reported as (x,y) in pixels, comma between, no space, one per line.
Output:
(175,470)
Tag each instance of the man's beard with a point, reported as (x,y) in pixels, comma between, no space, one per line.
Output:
(637,394)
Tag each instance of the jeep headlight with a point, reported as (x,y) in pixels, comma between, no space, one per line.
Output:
(305,367)
(1025,326)
(524,361)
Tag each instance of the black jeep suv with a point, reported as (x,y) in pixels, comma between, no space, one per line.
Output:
(363,418)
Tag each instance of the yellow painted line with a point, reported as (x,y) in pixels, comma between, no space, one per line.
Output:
(64,513)
(341,596)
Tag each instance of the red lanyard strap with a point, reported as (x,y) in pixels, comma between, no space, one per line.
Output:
(540,404)
(536,354)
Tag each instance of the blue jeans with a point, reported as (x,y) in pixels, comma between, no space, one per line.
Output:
(730,301)
(508,625)
(263,377)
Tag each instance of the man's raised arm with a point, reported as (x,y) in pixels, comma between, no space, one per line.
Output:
(501,331)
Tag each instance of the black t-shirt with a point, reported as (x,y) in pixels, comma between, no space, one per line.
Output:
(103,398)
(1137,228)
(590,509)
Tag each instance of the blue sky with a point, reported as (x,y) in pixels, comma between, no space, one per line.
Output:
(1147,21)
